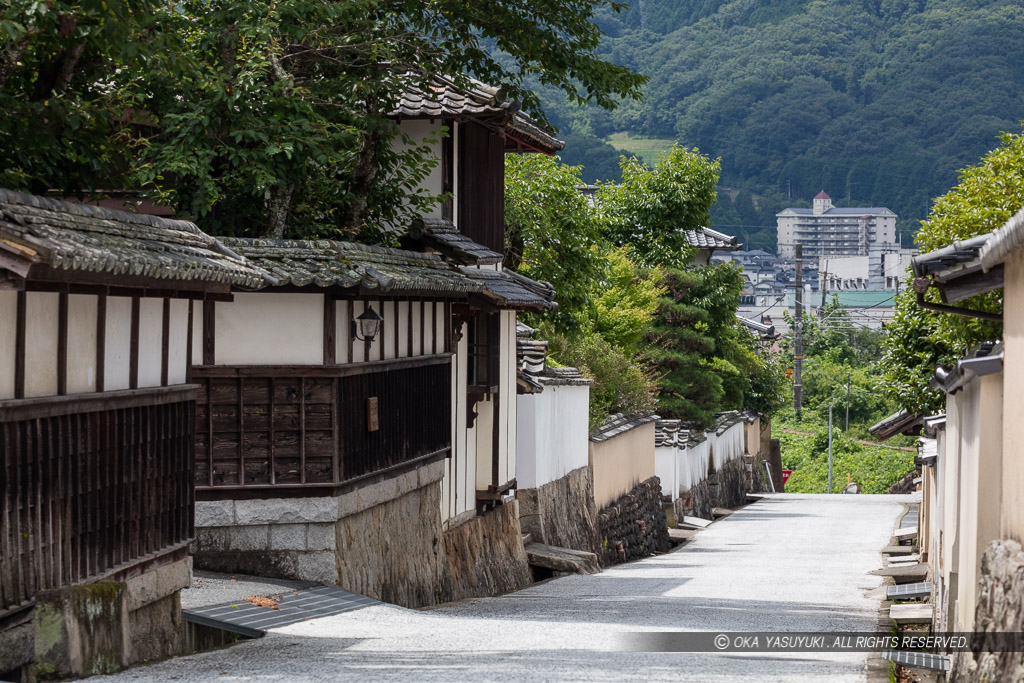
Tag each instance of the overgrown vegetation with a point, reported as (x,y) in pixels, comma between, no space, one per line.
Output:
(874,468)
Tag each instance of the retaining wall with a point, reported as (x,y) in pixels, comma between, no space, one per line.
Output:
(634,525)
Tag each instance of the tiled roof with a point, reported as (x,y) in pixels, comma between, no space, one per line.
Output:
(1004,240)
(512,290)
(447,99)
(78,237)
(960,255)
(822,195)
(327,263)
(619,424)
(706,238)
(897,423)
(441,234)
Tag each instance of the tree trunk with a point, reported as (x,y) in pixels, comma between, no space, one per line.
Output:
(363,176)
(279,203)
(10,59)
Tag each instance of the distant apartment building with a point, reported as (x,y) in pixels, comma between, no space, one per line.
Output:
(826,230)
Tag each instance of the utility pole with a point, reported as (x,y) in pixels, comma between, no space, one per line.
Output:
(830,447)
(798,355)
(824,288)
(847,402)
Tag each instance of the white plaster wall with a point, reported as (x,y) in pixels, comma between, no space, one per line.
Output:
(420,130)
(507,403)
(41,325)
(665,469)
(8,333)
(459,484)
(1012,498)
(551,434)
(728,445)
(388,330)
(692,465)
(118,343)
(197,333)
(177,361)
(967,483)
(949,473)
(82,343)
(151,329)
(483,438)
(417,320)
(269,328)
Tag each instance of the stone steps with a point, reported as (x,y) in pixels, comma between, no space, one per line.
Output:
(911,613)
(910,574)
(678,536)
(562,559)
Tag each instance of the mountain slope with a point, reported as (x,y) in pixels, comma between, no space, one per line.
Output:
(877,101)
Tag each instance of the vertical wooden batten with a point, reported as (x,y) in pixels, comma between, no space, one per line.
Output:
(188,345)
(133,353)
(165,344)
(330,328)
(350,308)
(209,321)
(101,340)
(62,343)
(19,346)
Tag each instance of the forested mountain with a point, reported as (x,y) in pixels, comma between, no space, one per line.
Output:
(879,102)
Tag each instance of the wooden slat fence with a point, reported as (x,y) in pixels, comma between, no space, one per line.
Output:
(278,427)
(90,484)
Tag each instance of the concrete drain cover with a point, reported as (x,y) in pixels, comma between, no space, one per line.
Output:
(253,620)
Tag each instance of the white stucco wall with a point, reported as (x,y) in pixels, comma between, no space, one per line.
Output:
(8,333)
(117,339)
(151,326)
(270,328)
(458,487)
(177,353)
(420,130)
(41,324)
(82,343)
(551,434)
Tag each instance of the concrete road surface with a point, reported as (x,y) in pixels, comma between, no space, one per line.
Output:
(788,563)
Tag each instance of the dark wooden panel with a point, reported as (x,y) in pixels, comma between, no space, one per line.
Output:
(481,191)
(84,494)
(292,430)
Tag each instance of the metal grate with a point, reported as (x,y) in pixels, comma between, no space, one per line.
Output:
(249,620)
(920,660)
(910,591)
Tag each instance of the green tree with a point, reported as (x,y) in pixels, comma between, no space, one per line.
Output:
(986,196)
(262,116)
(653,207)
(553,234)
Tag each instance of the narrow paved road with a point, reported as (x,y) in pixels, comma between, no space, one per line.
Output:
(790,563)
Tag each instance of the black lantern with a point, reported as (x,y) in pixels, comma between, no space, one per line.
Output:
(366,326)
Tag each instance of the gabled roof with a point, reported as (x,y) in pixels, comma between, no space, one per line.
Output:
(900,422)
(706,238)
(442,235)
(447,99)
(370,269)
(822,195)
(512,290)
(38,232)
(956,270)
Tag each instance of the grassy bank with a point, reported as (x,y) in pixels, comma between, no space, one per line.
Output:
(873,467)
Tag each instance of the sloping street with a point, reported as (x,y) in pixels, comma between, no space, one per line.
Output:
(788,563)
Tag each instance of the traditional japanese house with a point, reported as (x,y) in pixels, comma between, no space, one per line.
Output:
(97,429)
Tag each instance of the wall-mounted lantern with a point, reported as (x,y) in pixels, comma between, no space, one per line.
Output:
(367,325)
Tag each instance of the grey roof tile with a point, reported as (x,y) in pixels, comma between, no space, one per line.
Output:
(327,263)
(706,238)
(512,290)
(79,237)
(620,424)
(441,234)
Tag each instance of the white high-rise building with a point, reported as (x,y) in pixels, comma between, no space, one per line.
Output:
(826,230)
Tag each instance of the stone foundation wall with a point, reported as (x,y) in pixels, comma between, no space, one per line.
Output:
(383,541)
(562,512)
(484,556)
(757,474)
(1000,609)
(634,525)
(695,502)
(726,488)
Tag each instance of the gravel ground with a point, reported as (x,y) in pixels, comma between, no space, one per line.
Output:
(788,563)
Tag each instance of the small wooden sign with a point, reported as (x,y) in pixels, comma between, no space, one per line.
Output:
(372,421)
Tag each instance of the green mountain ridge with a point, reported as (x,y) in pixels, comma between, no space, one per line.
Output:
(878,102)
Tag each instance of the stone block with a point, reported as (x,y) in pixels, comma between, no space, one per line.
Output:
(215,513)
(431,473)
(376,494)
(348,504)
(81,630)
(210,539)
(156,630)
(288,536)
(320,567)
(246,538)
(16,647)
(286,511)
(407,482)
(321,537)
(158,583)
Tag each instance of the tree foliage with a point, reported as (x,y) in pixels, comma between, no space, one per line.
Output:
(653,207)
(263,116)
(796,96)
(988,193)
